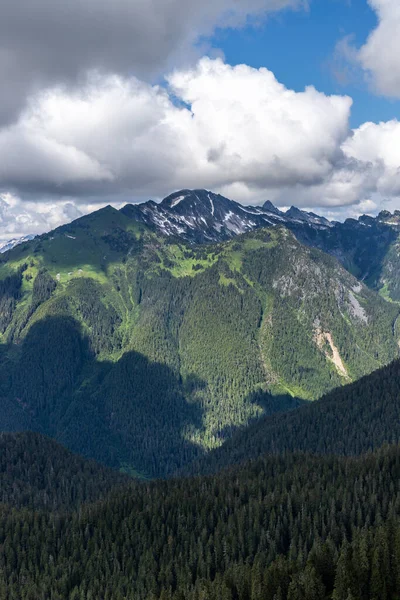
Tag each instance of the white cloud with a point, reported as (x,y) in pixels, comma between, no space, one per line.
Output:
(348,184)
(367,177)
(380,54)
(252,129)
(236,130)
(214,126)
(379,145)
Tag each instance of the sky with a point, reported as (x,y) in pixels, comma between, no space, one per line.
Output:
(295,101)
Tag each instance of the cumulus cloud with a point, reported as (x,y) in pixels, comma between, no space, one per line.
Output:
(215,125)
(379,144)
(350,183)
(47,42)
(252,129)
(367,176)
(236,130)
(380,54)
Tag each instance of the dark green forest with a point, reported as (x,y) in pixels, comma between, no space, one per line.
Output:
(38,473)
(291,527)
(285,525)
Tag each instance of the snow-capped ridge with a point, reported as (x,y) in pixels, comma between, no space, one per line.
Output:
(201,216)
(15,242)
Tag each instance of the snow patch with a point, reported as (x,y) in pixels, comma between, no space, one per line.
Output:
(212,204)
(15,242)
(176,201)
(188,221)
(250,212)
(268,221)
(274,216)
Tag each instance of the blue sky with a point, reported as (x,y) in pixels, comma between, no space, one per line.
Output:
(299,47)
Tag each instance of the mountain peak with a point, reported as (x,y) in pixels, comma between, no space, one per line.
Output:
(296,213)
(307,217)
(269,207)
(201,216)
(388,218)
(174,199)
(199,201)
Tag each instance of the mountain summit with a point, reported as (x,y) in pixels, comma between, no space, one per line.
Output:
(200,216)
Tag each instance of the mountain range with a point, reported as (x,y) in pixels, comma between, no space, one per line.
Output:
(10,244)
(367,247)
(146,337)
(200,216)
(251,367)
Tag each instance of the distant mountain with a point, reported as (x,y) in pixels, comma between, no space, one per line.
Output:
(295,214)
(200,216)
(14,242)
(367,247)
(144,351)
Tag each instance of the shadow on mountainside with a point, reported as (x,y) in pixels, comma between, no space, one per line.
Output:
(350,420)
(130,414)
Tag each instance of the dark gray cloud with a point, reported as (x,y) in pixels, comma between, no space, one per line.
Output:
(43,42)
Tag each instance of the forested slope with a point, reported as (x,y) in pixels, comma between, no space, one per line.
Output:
(144,352)
(291,528)
(38,473)
(350,420)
